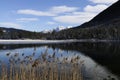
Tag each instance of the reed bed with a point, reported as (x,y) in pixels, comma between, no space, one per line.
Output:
(45,67)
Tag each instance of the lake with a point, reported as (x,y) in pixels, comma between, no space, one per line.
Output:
(101,59)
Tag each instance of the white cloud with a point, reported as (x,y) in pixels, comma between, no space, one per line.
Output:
(96,8)
(34,12)
(86,15)
(62,9)
(53,11)
(103,1)
(27,19)
(51,23)
(71,15)
(10,25)
(75,18)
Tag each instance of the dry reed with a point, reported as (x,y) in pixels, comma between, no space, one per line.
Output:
(45,67)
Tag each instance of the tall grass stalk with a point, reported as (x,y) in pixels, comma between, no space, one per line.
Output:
(46,67)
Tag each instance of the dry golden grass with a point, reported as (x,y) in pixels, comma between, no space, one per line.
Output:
(46,67)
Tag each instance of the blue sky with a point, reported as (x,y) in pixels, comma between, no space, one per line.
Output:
(39,15)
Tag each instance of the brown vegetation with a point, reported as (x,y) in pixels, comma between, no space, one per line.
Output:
(45,67)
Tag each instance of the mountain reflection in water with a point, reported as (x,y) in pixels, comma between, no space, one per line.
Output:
(104,56)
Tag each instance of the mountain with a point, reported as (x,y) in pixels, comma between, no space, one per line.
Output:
(105,25)
(57,29)
(46,31)
(105,16)
(60,28)
(11,33)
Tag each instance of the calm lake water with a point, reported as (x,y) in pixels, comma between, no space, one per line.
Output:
(101,60)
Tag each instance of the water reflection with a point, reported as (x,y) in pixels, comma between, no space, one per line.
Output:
(101,59)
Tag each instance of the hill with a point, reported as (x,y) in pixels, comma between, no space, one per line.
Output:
(11,33)
(105,25)
(105,16)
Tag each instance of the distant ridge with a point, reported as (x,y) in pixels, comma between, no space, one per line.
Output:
(11,33)
(12,29)
(104,26)
(107,15)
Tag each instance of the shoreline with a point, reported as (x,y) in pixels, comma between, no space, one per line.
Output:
(37,41)
(30,41)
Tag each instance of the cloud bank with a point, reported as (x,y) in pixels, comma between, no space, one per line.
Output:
(67,14)
(27,19)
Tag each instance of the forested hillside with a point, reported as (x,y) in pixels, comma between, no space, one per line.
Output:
(10,33)
(105,25)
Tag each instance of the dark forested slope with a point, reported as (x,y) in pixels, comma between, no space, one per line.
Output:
(11,33)
(105,25)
